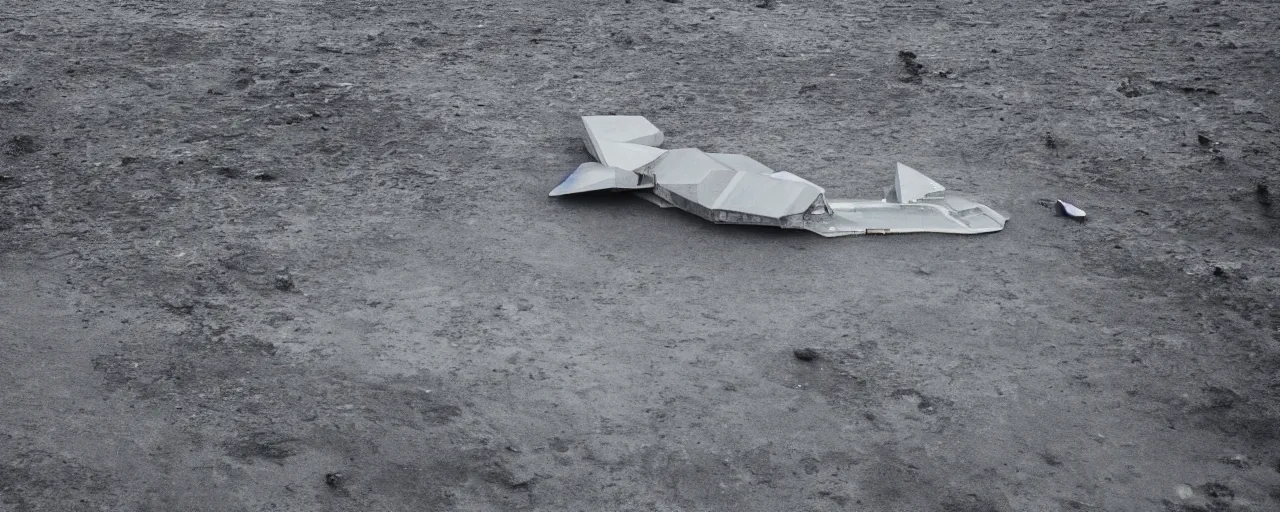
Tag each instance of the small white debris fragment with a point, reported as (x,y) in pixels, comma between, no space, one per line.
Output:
(1184,492)
(1070,210)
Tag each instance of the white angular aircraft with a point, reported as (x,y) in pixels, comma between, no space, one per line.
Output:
(736,189)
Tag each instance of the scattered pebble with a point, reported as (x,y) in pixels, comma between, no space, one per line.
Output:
(284,282)
(914,69)
(1238,460)
(1049,141)
(1133,86)
(228,172)
(805,354)
(1217,491)
(924,403)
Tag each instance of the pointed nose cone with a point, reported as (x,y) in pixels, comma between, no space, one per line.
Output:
(587,177)
(558,191)
(568,186)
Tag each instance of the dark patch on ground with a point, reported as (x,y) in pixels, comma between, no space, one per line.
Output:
(20,145)
(263,445)
(38,480)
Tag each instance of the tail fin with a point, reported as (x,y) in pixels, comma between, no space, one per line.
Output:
(910,186)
